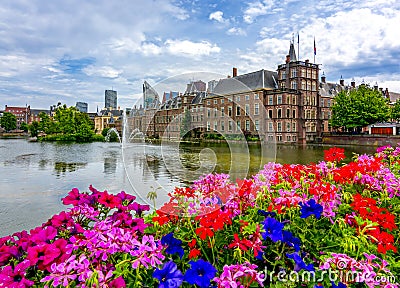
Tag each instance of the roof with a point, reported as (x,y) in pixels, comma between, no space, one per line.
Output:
(195,86)
(292,53)
(330,89)
(393,96)
(38,111)
(198,98)
(247,82)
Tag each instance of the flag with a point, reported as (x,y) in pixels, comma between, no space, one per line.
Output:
(298,38)
(315,48)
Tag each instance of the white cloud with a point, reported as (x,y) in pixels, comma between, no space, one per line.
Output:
(150,49)
(256,9)
(102,71)
(236,31)
(217,16)
(189,48)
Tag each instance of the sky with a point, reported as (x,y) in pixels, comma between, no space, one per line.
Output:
(69,51)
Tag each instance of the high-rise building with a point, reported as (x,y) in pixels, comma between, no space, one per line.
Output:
(110,99)
(82,106)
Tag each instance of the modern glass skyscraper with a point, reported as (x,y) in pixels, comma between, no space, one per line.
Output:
(110,99)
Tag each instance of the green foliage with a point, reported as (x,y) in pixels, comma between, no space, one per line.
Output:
(395,111)
(24,127)
(186,124)
(34,128)
(105,131)
(97,138)
(8,121)
(68,124)
(360,107)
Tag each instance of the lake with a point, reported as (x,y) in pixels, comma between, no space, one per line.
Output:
(34,176)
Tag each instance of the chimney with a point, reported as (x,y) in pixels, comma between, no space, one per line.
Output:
(323,78)
(234,72)
(307,61)
(376,86)
(287,58)
(341,81)
(353,83)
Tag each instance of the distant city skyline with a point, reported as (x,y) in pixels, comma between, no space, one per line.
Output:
(73,51)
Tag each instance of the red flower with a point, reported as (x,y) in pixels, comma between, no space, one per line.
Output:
(243,244)
(109,200)
(204,232)
(334,154)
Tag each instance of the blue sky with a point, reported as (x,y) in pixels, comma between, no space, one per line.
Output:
(68,51)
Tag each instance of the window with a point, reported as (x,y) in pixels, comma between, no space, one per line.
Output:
(279,127)
(288,127)
(248,125)
(238,98)
(222,111)
(256,97)
(215,112)
(230,111)
(313,114)
(270,100)
(294,138)
(230,125)
(279,113)
(287,99)
(238,125)
(294,100)
(208,113)
(314,86)
(288,138)
(283,75)
(322,102)
(247,109)
(247,97)
(208,102)
(215,101)
(222,125)
(270,114)
(208,126)
(293,73)
(308,114)
(293,85)
(303,84)
(257,125)
(270,138)
(215,125)
(222,101)
(329,103)
(294,113)
(230,99)
(237,110)
(288,113)
(279,99)
(256,109)
(270,127)
(279,138)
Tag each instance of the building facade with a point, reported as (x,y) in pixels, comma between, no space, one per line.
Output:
(82,107)
(22,114)
(110,100)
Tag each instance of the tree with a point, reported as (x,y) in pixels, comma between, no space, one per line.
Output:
(24,127)
(186,124)
(34,128)
(357,108)
(395,111)
(8,121)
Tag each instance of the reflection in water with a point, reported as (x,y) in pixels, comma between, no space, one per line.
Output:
(62,168)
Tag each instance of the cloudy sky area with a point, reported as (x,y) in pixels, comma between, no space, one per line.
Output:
(68,51)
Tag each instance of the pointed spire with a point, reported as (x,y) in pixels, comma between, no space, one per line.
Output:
(292,53)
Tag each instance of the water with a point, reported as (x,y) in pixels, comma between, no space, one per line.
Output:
(35,176)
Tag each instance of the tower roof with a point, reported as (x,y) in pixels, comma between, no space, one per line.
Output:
(292,53)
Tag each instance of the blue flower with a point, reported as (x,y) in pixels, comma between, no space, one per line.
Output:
(309,208)
(291,241)
(200,273)
(169,276)
(340,285)
(273,229)
(265,213)
(174,245)
(299,263)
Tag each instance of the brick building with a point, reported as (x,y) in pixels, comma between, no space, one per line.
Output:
(21,113)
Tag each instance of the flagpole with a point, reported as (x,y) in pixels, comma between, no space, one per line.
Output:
(298,45)
(315,49)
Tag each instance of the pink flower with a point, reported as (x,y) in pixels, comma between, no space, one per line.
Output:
(15,278)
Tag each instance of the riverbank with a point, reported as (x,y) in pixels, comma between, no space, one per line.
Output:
(363,140)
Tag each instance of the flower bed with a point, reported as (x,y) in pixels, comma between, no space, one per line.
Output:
(324,224)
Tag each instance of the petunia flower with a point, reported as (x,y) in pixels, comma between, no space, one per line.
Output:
(311,207)
(169,276)
(299,262)
(273,229)
(173,245)
(200,273)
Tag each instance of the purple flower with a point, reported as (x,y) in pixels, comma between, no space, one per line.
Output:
(174,245)
(200,273)
(299,263)
(169,276)
(291,241)
(309,208)
(273,229)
